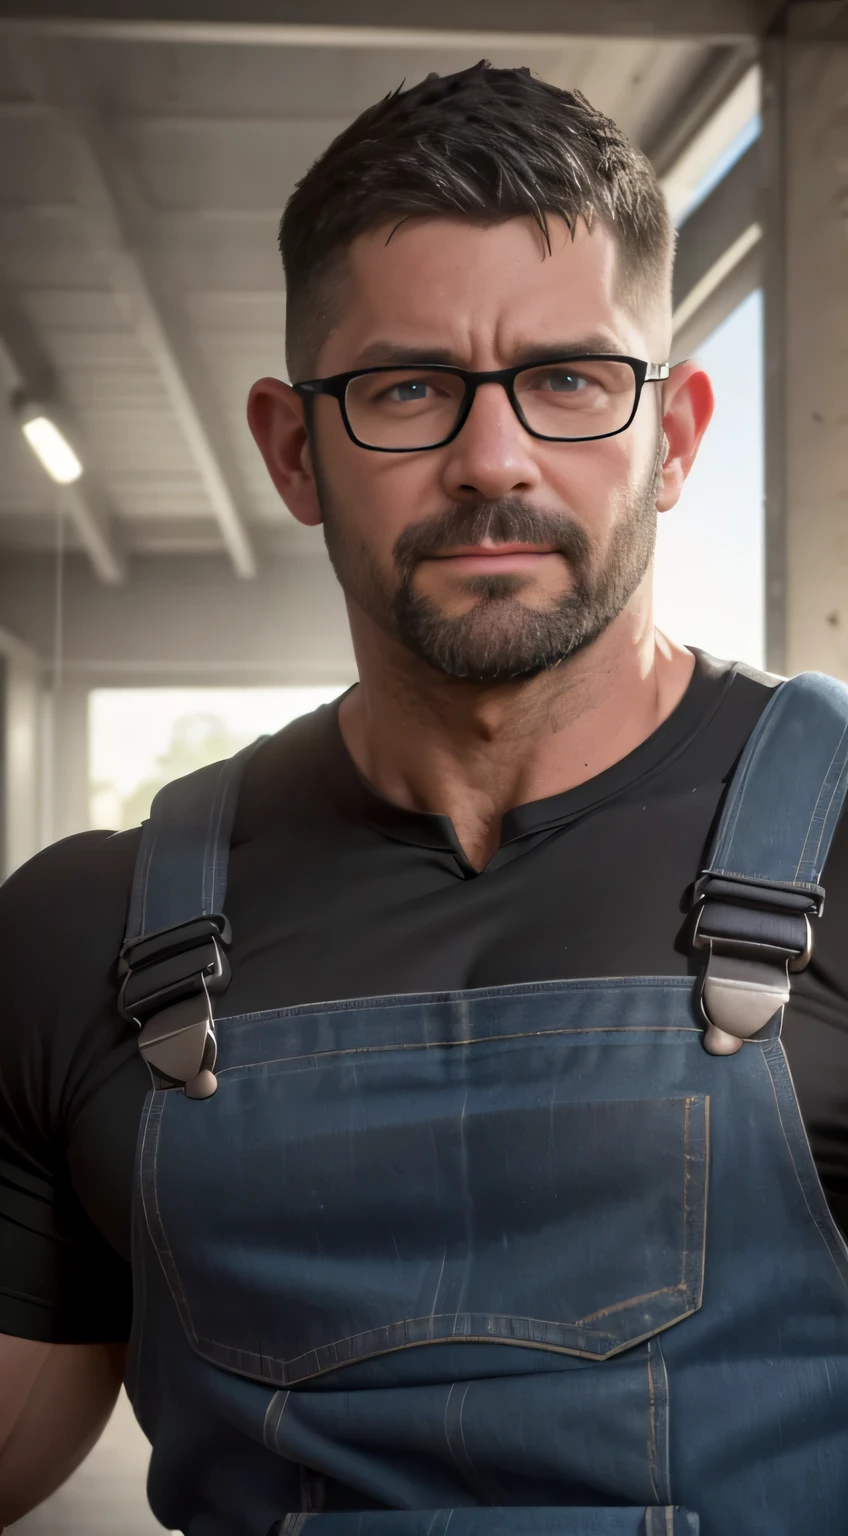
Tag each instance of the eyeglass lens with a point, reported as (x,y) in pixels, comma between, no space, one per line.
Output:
(419,407)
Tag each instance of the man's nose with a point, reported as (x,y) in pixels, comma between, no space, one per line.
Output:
(492,456)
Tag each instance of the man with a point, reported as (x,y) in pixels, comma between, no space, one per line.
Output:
(469,1208)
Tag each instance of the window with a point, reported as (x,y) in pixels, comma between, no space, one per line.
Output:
(141,738)
(710,568)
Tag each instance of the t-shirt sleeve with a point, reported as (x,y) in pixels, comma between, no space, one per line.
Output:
(815,1032)
(59,1280)
(61,921)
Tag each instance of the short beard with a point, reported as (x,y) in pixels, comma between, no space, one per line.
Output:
(500,639)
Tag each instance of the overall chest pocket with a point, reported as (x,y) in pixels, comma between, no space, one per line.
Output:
(317,1213)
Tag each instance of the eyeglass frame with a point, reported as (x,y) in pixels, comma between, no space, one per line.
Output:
(336,385)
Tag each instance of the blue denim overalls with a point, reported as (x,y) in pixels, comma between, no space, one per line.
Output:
(540,1258)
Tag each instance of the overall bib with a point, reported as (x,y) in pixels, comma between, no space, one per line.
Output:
(540,1258)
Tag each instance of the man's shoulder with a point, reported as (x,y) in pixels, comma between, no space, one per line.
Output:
(304,745)
(292,776)
(71,872)
(98,865)
(62,918)
(743,673)
(753,689)
(759,686)
(758,676)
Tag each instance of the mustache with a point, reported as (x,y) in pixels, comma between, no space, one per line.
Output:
(507,521)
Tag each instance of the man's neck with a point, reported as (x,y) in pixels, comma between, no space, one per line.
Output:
(432,743)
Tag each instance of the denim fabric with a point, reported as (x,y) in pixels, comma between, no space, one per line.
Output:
(519,1259)
(789,789)
(495,1522)
(181,871)
(559,1175)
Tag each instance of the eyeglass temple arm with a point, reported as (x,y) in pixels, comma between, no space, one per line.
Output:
(656,371)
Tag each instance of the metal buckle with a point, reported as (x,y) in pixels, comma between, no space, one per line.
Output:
(738,998)
(801,961)
(744,985)
(179,1044)
(169,977)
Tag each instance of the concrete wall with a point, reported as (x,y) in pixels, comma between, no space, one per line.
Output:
(183,619)
(817,357)
(805,143)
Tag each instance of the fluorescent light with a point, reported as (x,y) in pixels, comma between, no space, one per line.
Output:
(52,449)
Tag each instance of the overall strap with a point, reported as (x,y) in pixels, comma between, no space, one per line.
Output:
(174,958)
(761,890)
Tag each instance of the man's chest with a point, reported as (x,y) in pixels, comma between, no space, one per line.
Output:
(602,897)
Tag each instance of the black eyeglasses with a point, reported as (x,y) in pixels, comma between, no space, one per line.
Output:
(568,400)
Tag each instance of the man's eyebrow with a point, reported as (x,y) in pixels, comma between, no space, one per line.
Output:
(586,346)
(390,355)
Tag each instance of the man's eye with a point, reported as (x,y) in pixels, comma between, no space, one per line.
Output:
(566,382)
(410,389)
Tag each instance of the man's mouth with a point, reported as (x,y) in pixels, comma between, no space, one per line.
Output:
(493,559)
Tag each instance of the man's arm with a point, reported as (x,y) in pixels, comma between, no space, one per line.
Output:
(55,1402)
(65,1291)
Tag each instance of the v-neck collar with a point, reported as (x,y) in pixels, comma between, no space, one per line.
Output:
(358,800)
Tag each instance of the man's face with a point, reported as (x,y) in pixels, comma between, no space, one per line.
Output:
(421,541)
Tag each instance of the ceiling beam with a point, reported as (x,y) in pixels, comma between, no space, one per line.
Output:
(742,280)
(717,237)
(208,628)
(120,225)
(31,373)
(463,23)
(720,75)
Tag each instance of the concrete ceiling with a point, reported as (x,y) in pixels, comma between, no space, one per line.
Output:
(141,183)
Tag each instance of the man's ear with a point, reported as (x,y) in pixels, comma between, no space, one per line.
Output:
(275,415)
(687,409)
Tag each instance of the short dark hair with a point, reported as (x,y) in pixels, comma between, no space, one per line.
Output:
(486,145)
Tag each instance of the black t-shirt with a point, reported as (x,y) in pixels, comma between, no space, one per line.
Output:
(335,893)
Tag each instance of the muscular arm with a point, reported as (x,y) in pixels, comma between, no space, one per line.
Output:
(55,1401)
(65,1292)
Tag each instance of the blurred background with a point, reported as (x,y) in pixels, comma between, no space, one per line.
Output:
(158,605)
